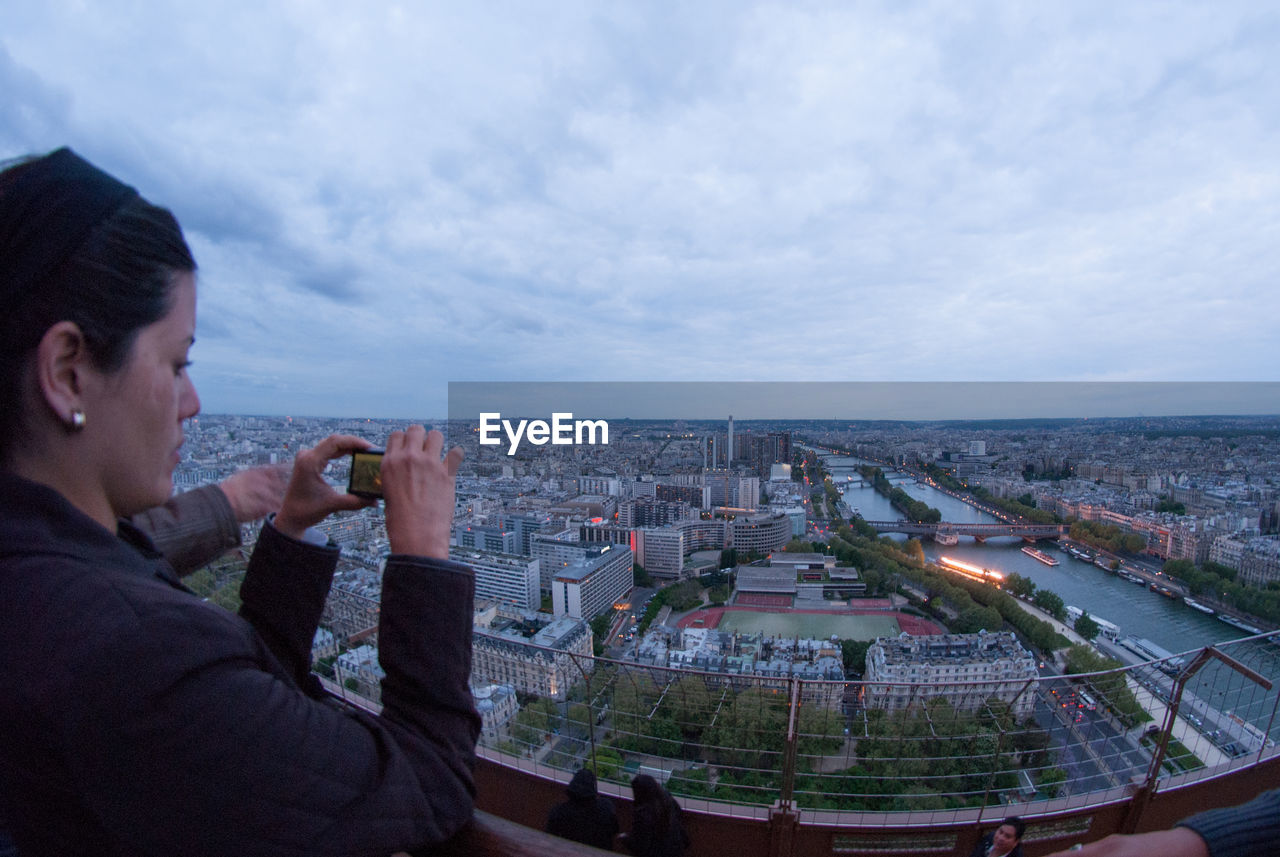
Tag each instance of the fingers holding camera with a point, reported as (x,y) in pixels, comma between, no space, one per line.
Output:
(309,499)
(418,485)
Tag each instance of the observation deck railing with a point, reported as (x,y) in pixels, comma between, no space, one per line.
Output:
(854,747)
(1088,753)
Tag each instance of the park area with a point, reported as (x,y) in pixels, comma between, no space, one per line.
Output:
(816,624)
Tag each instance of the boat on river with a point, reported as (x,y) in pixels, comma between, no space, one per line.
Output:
(1196,605)
(1132,578)
(1037,554)
(1107,630)
(946,538)
(1236,623)
(973,572)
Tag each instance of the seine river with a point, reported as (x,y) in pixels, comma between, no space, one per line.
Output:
(1137,610)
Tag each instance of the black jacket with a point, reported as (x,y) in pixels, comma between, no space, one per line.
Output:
(650,837)
(1249,830)
(140,720)
(586,816)
(981,849)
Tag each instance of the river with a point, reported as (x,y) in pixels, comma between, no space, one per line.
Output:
(1135,609)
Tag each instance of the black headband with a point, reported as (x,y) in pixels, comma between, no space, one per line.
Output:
(46,213)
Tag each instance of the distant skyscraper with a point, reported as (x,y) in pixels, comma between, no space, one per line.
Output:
(728,451)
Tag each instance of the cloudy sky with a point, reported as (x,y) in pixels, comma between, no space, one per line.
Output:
(387,197)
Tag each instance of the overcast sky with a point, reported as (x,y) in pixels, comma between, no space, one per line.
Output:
(385,198)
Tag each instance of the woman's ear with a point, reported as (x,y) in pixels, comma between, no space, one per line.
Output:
(62,364)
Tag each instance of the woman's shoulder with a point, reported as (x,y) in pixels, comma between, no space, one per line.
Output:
(75,603)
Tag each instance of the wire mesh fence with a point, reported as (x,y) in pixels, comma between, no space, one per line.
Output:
(874,747)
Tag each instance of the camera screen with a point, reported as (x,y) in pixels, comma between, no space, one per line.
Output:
(366,473)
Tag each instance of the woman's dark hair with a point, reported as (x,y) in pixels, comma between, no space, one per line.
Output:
(648,792)
(118,281)
(1019,826)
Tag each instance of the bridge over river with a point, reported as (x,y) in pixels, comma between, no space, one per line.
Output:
(1031,532)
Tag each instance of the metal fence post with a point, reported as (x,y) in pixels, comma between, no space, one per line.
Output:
(789,750)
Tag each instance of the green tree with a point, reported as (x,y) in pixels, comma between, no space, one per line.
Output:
(1086,627)
(914,549)
(1050,602)
(580,718)
(608,762)
(689,704)
(1051,782)
(639,576)
(1023,587)
(977,618)
(600,630)
(749,732)
(854,655)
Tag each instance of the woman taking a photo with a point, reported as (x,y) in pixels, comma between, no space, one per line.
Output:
(137,718)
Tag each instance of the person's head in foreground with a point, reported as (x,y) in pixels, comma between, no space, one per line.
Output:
(1007,836)
(98,287)
(139,718)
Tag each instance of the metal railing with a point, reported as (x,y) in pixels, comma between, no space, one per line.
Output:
(740,743)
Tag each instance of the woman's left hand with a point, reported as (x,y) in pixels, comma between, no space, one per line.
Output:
(256,492)
(309,499)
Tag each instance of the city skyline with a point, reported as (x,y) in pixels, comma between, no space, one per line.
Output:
(911,401)
(387,200)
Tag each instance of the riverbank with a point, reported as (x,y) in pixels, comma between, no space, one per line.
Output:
(1183,731)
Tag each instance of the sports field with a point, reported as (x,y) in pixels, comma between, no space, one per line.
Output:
(811,625)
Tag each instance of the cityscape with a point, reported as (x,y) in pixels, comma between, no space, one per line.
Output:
(1011,546)
(914,591)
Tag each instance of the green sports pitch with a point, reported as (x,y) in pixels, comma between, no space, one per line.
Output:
(809,625)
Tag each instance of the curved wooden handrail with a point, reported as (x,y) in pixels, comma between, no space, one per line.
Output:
(490,836)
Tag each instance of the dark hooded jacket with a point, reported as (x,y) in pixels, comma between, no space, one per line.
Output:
(657,828)
(141,720)
(983,846)
(587,816)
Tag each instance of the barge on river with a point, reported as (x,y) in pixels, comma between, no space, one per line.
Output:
(1037,554)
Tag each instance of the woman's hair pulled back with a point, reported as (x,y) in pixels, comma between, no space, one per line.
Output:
(118,281)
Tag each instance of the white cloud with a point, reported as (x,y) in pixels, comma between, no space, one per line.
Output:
(384,197)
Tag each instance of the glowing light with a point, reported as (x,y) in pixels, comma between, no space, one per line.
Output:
(972,572)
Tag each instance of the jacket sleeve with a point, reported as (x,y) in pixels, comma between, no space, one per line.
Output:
(283,596)
(427,688)
(1249,830)
(191,529)
(204,748)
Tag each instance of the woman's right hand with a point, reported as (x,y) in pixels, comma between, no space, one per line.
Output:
(309,499)
(418,487)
